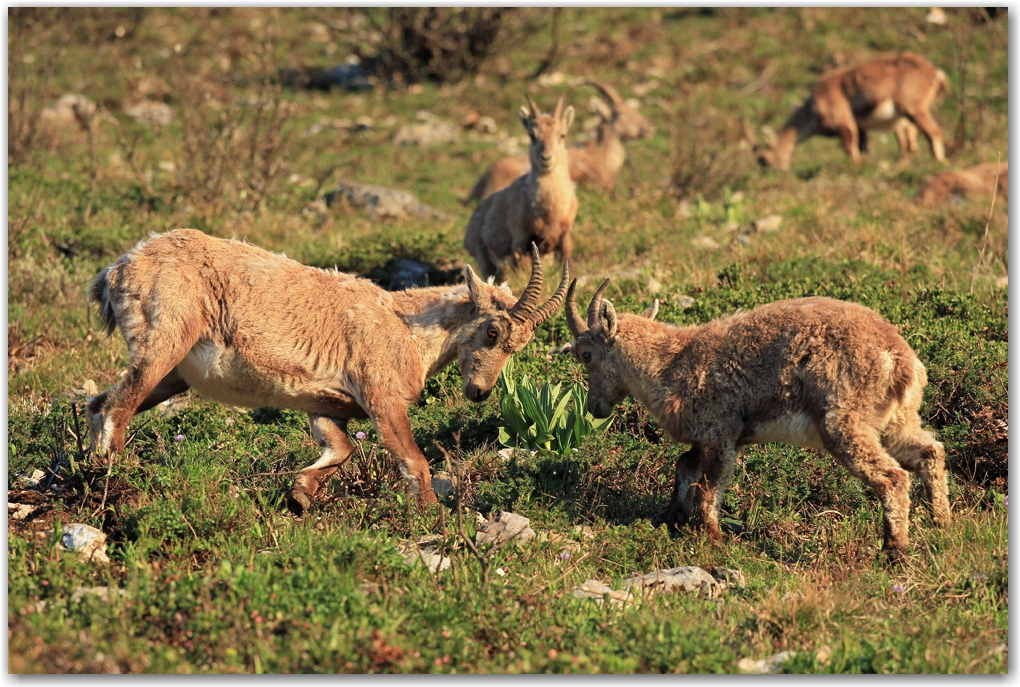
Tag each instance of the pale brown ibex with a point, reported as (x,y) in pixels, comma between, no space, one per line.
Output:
(812,372)
(979,179)
(894,92)
(538,207)
(598,160)
(252,328)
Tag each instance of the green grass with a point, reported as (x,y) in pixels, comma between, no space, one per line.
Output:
(217,577)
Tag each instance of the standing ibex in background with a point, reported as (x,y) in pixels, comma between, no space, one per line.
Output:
(248,327)
(894,92)
(597,160)
(813,372)
(979,179)
(538,207)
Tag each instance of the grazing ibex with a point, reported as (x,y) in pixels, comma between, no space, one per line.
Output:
(980,179)
(538,207)
(598,160)
(252,328)
(813,372)
(894,92)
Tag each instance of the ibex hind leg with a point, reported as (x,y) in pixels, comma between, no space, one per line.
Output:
(332,434)
(145,385)
(918,451)
(855,445)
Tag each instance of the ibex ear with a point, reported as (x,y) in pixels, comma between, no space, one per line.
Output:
(525,116)
(476,287)
(607,319)
(651,312)
(568,117)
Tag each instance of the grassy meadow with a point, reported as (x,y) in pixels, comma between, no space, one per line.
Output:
(215,575)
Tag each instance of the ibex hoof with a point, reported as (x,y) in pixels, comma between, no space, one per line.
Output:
(672,518)
(894,556)
(298,501)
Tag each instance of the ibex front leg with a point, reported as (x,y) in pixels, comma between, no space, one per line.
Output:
(681,506)
(395,430)
(332,434)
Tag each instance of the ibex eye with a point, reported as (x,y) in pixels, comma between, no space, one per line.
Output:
(492,332)
(586,357)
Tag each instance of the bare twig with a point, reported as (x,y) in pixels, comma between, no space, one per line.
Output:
(554,47)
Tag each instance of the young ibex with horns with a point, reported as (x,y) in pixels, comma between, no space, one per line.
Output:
(894,92)
(538,207)
(248,327)
(812,372)
(598,160)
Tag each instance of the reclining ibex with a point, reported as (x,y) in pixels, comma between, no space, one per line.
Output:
(598,160)
(811,372)
(979,179)
(248,327)
(538,207)
(894,92)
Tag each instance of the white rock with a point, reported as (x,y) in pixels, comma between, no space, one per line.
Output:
(506,527)
(104,593)
(19,511)
(733,578)
(936,15)
(765,665)
(705,242)
(683,579)
(593,589)
(769,223)
(85,540)
(435,562)
(151,112)
(30,481)
(427,134)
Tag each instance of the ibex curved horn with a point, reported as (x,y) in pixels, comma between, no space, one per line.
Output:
(608,91)
(596,303)
(551,305)
(528,301)
(574,321)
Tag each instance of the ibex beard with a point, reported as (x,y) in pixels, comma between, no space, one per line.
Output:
(244,326)
(813,372)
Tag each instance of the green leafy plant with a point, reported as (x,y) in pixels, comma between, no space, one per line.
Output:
(543,418)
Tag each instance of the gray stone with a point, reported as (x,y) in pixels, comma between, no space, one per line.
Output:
(765,665)
(381,203)
(506,527)
(683,579)
(435,562)
(426,134)
(733,578)
(443,483)
(86,541)
(593,589)
(104,593)
(19,511)
(769,223)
